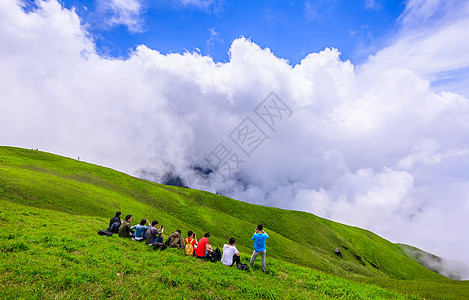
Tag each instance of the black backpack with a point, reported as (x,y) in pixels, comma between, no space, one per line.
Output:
(242,266)
(215,255)
(114,228)
(104,232)
(157,245)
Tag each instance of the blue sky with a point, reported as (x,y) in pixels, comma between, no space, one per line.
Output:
(291,29)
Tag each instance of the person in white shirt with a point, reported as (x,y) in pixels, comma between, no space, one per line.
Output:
(230,254)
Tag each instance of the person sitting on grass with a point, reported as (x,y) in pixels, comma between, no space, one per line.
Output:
(190,243)
(153,234)
(115,223)
(175,240)
(203,247)
(124,230)
(230,254)
(140,230)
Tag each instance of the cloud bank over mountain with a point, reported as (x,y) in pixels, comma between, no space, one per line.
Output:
(374,146)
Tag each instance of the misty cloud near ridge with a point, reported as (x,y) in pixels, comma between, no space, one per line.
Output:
(373,146)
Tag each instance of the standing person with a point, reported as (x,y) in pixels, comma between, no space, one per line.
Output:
(175,240)
(259,238)
(190,242)
(140,230)
(153,234)
(115,223)
(230,253)
(203,247)
(124,230)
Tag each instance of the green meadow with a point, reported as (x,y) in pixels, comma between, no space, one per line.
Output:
(51,208)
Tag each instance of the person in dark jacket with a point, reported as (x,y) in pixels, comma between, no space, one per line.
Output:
(115,219)
(175,240)
(153,234)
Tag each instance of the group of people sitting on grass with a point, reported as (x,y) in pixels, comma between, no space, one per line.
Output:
(200,249)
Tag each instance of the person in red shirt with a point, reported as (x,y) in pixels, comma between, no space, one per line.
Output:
(203,247)
(191,239)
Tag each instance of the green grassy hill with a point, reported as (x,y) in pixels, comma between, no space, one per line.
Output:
(51,208)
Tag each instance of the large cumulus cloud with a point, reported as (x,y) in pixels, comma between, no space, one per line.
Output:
(372,146)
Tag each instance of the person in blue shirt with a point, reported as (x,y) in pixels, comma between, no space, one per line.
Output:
(259,238)
(140,230)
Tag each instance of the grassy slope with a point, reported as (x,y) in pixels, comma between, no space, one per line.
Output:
(48,181)
(50,254)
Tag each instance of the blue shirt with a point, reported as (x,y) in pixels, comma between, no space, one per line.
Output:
(140,230)
(259,241)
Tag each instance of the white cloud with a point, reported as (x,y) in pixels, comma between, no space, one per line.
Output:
(205,5)
(372,147)
(431,43)
(214,38)
(314,9)
(198,3)
(371,5)
(123,12)
(420,13)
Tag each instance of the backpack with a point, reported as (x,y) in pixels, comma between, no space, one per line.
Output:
(104,232)
(114,228)
(189,249)
(242,266)
(215,255)
(157,245)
